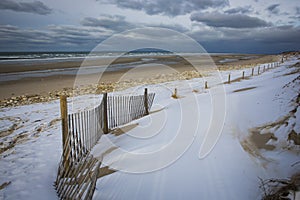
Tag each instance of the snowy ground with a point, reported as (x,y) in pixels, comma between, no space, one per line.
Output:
(159,157)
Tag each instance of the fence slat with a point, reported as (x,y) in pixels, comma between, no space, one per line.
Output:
(77,170)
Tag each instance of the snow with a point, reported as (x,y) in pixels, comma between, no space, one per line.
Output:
(30,166)
(297,126)
(160,157)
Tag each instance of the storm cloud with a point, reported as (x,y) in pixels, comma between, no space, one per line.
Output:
(255,40)
(215,24)
(115,23)
(297,10)
(216,19)
(54,36)
(168,7)
(64,37)
(273,8)
(118,23)
(35,7)
(241,10)
(176,27)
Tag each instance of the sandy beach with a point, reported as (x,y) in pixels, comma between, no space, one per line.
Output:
(151,100)
(48,87)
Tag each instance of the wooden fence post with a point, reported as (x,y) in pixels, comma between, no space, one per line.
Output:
(243,75)
(264,68)
(64,127)
(252,73)
(258,70)
(228,78)
(206,86)
(146,102)
(174,95)
(105,118)
(64,118)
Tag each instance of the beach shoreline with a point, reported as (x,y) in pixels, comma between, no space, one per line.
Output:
(48,87)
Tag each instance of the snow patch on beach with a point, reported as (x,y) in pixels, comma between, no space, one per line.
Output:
(33,141)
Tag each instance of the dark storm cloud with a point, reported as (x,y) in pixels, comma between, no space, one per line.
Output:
(50,35)
(75,34)
(273,8)
(277,35)
(225,33)
(35,7)
(168,7)
(297,10)
(241,10)
(176,27)
(250,40)
(267,35)
(69,30)
(115,22)
(92,31)
(53,37)
(216,19)
(16,35)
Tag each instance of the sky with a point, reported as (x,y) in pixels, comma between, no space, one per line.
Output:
(230,26)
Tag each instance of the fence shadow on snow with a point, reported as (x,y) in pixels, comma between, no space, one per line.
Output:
(78,169)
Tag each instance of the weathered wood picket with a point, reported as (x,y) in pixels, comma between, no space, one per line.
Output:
(78,169)
(123,109)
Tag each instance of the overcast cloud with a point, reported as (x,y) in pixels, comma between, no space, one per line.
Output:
(217,19)
(274,9)
(35,7)
(168,7)
(297,10)
(218,25)
(240,10)
(115,22)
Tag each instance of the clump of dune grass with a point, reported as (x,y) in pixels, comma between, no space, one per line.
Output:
(280,189)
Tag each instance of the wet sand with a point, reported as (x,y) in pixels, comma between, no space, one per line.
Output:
(46,84)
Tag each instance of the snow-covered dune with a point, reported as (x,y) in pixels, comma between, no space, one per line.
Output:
(159,155)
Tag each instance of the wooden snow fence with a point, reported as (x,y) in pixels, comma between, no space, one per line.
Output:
(123,109)
(78,169)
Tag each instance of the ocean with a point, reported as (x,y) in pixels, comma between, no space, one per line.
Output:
(28,57)
(23,60)
(54,63)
